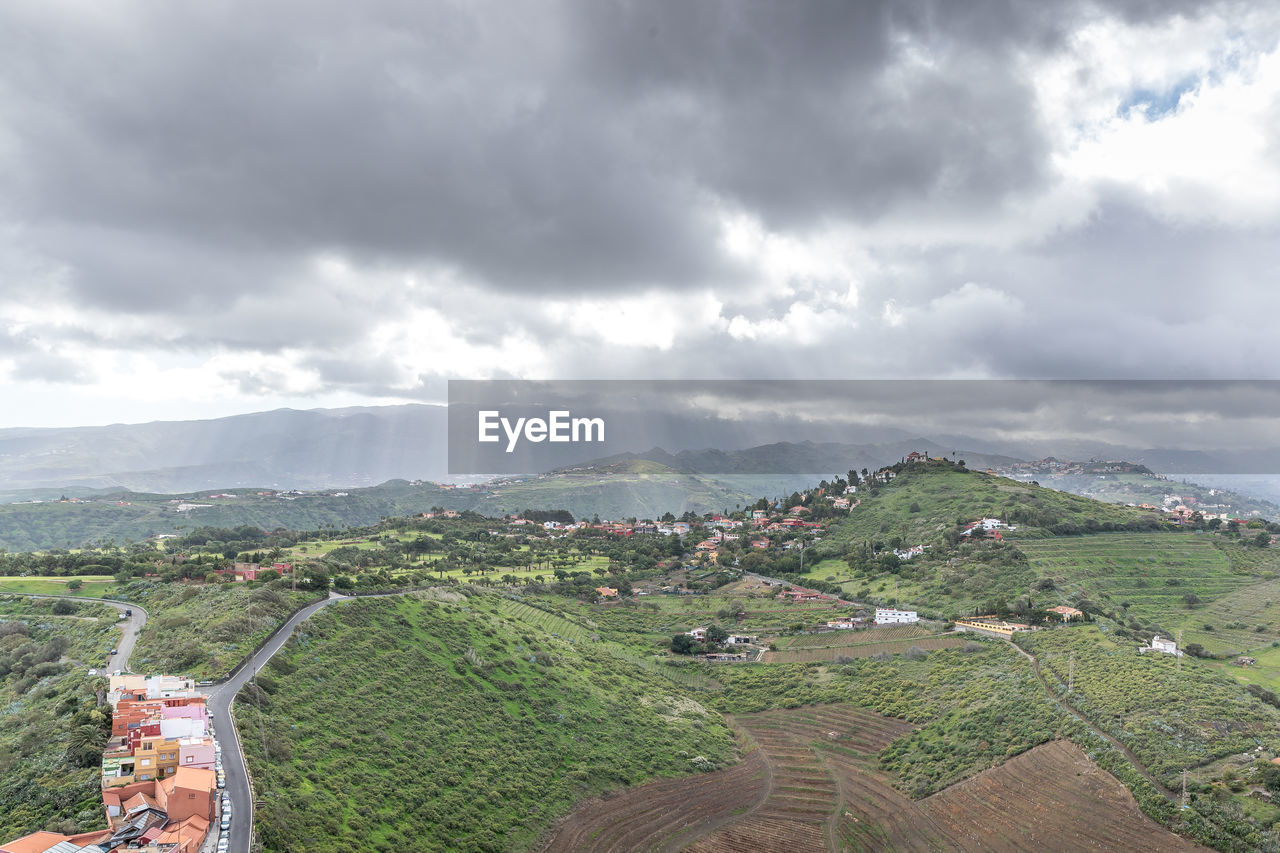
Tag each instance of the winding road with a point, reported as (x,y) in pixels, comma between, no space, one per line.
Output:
(220,699)
(130,627)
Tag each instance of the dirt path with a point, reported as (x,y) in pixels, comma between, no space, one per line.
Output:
(1133,759)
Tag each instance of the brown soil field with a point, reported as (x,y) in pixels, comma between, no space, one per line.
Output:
(864,650)
(814,784)
(1051,797)
(855,637)
(665,814)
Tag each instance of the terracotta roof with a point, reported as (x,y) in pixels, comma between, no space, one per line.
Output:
(36,842)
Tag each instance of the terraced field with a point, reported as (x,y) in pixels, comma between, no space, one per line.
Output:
(1152,572)
(665,814)
(1049,798)
(854,638)
(862,650)
(814,784)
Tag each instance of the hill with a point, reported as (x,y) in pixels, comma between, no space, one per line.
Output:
(621,490)
(928,498)
(928,504)
(516,722)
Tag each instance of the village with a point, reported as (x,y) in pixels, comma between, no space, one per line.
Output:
(161,775)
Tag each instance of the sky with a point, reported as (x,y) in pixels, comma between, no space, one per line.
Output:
(216,208)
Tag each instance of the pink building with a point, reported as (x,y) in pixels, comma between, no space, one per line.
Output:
(196,752)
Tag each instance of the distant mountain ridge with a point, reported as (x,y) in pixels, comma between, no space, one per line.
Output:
(286,448)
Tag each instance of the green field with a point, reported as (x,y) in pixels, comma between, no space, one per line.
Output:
(94,586)
(1173,714)
(1148,578)
(514,724)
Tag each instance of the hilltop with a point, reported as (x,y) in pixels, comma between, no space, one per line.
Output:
(925,499)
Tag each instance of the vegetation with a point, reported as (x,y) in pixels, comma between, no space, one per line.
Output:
(51,729)
(516,726)
(204,630)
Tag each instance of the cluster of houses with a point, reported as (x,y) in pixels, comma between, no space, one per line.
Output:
(159,774)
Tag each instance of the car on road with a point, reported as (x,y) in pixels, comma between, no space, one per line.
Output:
(222,781)
(226,822)
(114,651)
(223,844)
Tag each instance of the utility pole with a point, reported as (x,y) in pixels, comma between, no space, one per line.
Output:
(1179,669)
(1184,788)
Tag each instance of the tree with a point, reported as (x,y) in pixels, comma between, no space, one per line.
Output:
(343,582)
(716,634)
(63,608)
(75,583)
(1262,540)
(682,644)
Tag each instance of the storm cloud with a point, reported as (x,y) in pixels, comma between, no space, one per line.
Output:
(246,205)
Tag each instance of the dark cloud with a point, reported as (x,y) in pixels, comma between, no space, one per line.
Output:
(190,168)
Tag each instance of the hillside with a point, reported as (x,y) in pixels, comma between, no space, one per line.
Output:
(928,498)
(516,723)
(281,449)
(622,490)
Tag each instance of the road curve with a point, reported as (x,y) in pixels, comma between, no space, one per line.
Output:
(130,628)
(219,700)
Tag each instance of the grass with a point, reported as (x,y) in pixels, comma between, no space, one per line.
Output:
(204,630)
(514,724)
(94,586)
(1172,714)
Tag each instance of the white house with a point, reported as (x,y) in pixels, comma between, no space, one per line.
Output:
(889,616)
(1168,647)
(699,634)
(739,640)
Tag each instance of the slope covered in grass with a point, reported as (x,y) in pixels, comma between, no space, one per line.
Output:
(929,498)
(423,723)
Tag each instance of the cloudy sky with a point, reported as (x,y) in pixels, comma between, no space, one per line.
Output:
(224,207)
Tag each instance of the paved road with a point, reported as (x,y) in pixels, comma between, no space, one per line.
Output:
(219,701)
(130,627)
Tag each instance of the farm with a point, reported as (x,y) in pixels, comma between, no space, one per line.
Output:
(1173,714)
(813,783)
(810,654)
(1147,577)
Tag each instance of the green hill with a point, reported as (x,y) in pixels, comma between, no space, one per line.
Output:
(466,726)
(638,488)
(926,499)
(928,504)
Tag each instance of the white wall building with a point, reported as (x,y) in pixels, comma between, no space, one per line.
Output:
(889,616)
(1168,647)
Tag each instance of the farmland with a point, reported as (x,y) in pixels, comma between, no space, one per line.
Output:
(861,650)
(1169,582)
(1172,714)
(813,783)
(663,814)
(92,586)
